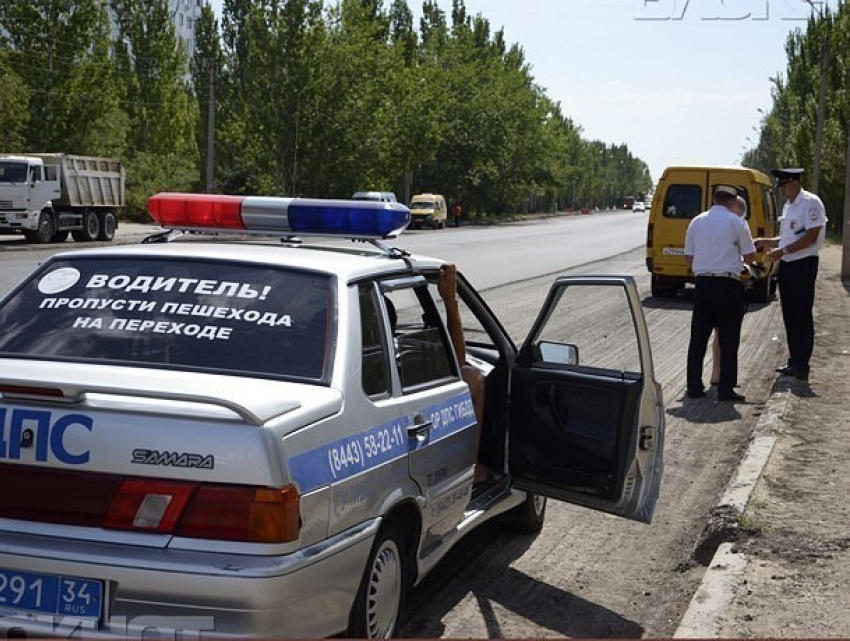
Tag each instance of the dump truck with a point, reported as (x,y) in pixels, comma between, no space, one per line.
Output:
(47,196)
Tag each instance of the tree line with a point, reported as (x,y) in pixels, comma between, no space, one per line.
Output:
(301,100)
(788,130)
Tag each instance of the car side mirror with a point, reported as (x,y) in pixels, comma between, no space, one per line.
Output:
(554,353)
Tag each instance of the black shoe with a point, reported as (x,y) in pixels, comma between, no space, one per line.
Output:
(799,374)
(696,393)
(731,396)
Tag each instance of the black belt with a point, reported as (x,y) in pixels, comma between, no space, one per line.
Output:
(732,275)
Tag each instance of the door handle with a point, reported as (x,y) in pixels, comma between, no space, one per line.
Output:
(420,426)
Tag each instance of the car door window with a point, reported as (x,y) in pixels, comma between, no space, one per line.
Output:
(375,364)
(420,341)
(590,328)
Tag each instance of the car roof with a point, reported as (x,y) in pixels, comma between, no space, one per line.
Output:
(347,262)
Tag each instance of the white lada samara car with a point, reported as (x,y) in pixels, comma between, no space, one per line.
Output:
(236,437)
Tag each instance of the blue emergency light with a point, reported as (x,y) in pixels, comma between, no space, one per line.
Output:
(272,215)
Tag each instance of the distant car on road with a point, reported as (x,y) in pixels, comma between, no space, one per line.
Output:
(639,207)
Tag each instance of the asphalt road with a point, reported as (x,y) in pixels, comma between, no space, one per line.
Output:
(587,574)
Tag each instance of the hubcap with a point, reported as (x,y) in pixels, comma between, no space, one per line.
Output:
(383,592)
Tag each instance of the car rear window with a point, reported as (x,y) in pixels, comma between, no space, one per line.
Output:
(182,314)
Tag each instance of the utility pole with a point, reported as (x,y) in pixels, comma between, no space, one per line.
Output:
(845,240)
(824,69)
(211,128)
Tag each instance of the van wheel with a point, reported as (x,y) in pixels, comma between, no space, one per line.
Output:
(377,609)
(774,282)
(658,290)
(761,292)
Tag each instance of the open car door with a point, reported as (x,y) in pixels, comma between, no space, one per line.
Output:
(586,421)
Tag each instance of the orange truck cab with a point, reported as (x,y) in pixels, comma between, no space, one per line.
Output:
(685,192)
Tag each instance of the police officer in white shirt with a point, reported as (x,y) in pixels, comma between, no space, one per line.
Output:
(716,247)
(802,228)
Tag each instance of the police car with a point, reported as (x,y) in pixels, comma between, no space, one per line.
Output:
(227,436)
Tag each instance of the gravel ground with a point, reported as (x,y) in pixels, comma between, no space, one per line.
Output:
(798,552)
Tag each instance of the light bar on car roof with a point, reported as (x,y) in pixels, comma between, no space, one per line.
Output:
(284,216)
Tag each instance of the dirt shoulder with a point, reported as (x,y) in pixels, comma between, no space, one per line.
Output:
(798,560)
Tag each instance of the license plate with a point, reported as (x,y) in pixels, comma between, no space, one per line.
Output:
(65,596)
(673,251)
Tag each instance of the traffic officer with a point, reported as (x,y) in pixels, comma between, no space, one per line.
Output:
(802,229)
(716,247)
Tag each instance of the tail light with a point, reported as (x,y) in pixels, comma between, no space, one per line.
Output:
(220,512)
(181,508)
(649,236)
(242,514)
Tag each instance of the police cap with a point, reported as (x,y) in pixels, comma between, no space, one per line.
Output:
(784,176)
(728,190)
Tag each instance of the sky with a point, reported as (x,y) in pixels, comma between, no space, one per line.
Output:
(678,81)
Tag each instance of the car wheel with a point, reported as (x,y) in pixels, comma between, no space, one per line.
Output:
(377,609)
(108,224)
(45,231)
(528,518)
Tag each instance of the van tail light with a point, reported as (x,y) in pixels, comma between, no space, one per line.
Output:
(649,236)
(219,512)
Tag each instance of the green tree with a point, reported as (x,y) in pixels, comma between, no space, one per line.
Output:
(61,50)
(205,66)
(14,109)
(162,111)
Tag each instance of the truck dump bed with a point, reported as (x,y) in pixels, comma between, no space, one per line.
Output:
(87,181)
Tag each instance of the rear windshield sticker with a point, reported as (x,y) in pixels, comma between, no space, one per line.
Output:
(59,280)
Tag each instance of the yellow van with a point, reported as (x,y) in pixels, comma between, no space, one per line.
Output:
(428,210)
(684,192)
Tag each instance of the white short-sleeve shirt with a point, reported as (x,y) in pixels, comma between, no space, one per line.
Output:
(806,212)
(718,240)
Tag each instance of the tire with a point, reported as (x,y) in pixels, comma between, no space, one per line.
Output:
(760,293)
(658,291)
(59,236)
(377,609)
(528,518)
(45,231)
(108,225)
(91,227)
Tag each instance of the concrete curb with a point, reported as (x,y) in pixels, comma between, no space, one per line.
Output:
(726,570)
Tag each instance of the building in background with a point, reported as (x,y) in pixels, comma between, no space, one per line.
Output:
(185,14)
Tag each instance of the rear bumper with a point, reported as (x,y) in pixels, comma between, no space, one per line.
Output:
(166,593)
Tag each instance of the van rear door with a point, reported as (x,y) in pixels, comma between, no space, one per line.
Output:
(682,194)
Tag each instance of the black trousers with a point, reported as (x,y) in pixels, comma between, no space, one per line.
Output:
(797,295)
(720,303)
